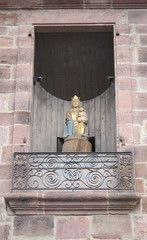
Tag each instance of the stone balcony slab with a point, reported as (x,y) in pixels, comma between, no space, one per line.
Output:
(71,203)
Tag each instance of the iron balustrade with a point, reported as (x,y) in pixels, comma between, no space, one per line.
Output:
(72,171)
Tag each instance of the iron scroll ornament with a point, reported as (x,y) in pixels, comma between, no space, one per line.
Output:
(69,171)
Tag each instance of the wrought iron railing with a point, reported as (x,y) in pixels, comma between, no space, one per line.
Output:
(72,171)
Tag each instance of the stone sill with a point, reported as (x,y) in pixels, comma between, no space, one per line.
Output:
(71,203)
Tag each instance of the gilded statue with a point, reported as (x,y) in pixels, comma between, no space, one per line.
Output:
(76,120)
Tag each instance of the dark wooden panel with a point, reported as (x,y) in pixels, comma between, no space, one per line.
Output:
(74,63)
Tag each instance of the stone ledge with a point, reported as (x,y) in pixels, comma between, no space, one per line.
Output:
(71,203)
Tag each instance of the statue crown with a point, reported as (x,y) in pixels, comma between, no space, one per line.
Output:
(75,98)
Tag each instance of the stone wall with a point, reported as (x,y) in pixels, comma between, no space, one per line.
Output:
(16,74)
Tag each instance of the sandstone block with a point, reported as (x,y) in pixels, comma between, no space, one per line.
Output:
(7,153)
(5,171)
(23,72)
(8,56)
(123,70)
(122,40)
(5,232)
(11,98)
(140,153)
(4,72)
(140,226)
(142,54)
(140,170)
(5,186)
(9,18)
(139,117)
(123,54)
(6,118)
(111,227)
(124,84)
(72,228)
(3,30)
(23,85)
(33,226)
(125,117)
(25,41)
(13,31)
(4,134)
(140,101)
(139,70)
(137,17)
(22,103)
(137,134)
(24,55)
(141,28)
(20,132)
(143,40)
(22,118)
(144,204)
(126,131)
(7,86)
(125,100)
(3,103)
(6,42)
(139,185)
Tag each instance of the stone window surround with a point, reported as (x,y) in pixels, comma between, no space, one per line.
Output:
(72,203)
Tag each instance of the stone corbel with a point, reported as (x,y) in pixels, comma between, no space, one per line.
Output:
(71,203)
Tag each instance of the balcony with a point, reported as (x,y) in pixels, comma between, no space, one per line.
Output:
(73,183)
(54,171)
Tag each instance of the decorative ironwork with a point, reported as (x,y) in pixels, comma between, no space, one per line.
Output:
(72,171)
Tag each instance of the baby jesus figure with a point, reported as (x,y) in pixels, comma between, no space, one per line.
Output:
(82,120)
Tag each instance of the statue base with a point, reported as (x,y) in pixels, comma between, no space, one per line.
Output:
(76,144)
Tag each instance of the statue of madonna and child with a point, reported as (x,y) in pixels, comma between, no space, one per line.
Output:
(76,128)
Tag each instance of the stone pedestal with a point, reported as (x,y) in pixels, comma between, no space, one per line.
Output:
(76,144)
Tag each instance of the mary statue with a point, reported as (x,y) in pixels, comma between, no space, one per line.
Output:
(76,120)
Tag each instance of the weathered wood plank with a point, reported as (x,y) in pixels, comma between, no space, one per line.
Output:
(49,120)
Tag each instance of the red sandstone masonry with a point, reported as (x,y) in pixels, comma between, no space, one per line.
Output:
(143,40)
(139,185)
(141,29)
(20,132)
(5,72)
(137,17)
(6,42)
(6,118)
(140,101)
(33,226)
(24,55)
(3,31)
(9,18)
(7,86)
(137,134)
(111,227)
(72,227)
(22,104)
(125,100)
(142,54)
(123,54)
(8,56)
(23,71)
(140,153)
(7,153)
(23,85)
(140,170)
(4,134)
(140,227)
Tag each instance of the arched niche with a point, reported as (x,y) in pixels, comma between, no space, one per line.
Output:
(73,61)
(49,120)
